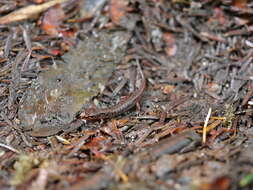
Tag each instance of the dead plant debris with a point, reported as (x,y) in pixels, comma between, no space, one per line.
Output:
(126,94)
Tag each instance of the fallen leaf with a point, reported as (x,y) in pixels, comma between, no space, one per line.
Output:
(52,20)
(221,183)
(240,3)
(171,47)
(118,9)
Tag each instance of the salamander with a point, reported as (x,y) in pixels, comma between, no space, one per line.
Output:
(128,103)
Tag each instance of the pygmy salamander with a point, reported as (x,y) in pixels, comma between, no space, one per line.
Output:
(126,104)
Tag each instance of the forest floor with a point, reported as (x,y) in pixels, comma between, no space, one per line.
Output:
(126,94)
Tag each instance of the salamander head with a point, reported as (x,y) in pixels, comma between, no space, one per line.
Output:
(89,114)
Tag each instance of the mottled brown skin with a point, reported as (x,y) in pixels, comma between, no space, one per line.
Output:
(128,103)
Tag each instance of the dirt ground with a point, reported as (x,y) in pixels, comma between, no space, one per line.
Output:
(169,84)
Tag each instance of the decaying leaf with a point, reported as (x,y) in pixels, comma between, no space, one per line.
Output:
(52,20)
(118,9)
(171,48)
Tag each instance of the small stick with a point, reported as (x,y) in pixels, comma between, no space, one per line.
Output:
(205,125)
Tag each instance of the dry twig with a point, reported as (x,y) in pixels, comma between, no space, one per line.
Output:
(28,12)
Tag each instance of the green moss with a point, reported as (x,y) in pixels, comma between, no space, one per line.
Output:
(22,167)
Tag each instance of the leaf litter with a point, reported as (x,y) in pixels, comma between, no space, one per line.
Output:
(196,57)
